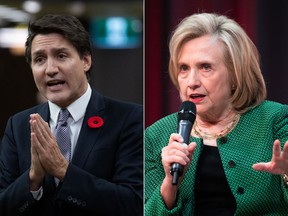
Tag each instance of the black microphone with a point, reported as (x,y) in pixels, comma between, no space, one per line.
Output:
(186,118)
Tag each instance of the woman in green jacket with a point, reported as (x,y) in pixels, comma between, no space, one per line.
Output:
(236,160)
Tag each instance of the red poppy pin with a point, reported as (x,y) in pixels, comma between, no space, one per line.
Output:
(95,122)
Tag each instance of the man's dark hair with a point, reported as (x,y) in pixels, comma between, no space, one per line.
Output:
(67,25)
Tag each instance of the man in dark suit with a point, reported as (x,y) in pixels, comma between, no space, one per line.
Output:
(103,171)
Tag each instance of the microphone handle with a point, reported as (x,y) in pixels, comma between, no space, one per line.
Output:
(184,129)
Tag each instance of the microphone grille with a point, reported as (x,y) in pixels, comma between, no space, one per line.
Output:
(187,111)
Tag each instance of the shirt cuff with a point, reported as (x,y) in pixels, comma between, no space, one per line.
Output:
(37,195)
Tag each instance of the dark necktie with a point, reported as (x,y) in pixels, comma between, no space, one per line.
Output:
(62,133)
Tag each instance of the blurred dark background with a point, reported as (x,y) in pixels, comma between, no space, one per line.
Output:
(265,21)
(116,29)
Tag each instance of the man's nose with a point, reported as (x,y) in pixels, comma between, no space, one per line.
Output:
(51,67)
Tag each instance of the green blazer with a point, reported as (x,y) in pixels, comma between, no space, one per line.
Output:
(250,142)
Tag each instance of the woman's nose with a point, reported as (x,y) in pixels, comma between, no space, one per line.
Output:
(193,80)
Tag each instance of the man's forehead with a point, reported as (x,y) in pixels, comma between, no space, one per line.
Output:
(53,42)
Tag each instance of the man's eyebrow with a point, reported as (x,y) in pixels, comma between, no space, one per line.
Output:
(38,52)
(60,49)
(56,50)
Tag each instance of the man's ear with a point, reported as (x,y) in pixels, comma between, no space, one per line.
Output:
(87,61)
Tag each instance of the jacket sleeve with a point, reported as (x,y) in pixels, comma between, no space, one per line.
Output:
(154,175)
(281,129)
(15,195)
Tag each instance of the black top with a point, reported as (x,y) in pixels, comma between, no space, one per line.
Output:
(213,195)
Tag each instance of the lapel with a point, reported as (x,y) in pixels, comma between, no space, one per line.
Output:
(88,136)
(44,112)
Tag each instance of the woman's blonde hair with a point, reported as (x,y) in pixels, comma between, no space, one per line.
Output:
(240,55)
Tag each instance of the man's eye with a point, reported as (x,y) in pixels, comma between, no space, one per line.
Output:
(62,55)
(38,59)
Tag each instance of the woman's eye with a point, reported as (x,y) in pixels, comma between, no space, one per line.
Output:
(183,67)
(206,67)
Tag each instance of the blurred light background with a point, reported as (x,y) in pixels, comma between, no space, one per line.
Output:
(116,29)
(265,21)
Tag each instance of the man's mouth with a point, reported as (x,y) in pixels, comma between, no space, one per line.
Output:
(55,82)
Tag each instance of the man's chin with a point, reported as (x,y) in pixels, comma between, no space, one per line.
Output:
(59,100)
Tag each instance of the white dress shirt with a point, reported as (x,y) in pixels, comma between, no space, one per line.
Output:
(77,111)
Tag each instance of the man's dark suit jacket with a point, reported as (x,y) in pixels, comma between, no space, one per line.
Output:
(105,176)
